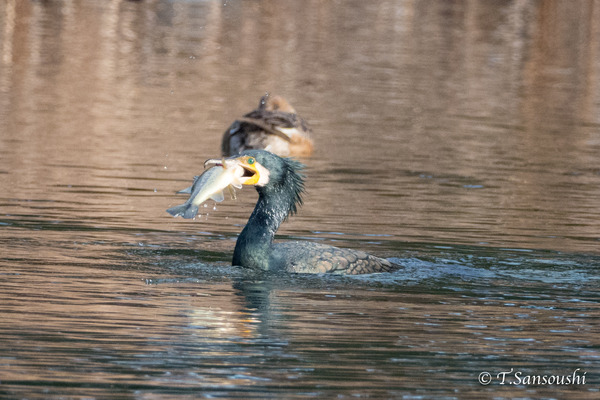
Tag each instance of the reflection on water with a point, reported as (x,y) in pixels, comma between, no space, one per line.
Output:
(475,124)
(458,138)
(169,328)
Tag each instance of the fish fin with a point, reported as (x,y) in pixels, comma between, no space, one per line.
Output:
(191,212)
(177,211)
(231,191)
(218,197)
(184,210)
(187,190)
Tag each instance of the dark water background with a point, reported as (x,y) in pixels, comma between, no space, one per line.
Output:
(461,139)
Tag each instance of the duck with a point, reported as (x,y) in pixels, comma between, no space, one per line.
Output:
(280,184)
(273,126)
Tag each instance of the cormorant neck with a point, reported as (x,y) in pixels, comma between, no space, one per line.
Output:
(253,246)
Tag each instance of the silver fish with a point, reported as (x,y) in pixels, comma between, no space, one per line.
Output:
(209,185)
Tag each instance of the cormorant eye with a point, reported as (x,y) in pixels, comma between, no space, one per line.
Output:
(250,161)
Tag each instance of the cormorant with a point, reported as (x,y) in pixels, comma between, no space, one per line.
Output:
(273,126)
(280,185)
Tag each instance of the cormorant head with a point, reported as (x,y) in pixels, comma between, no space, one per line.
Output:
(273,176)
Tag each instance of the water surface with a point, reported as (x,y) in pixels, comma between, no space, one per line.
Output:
(459,139)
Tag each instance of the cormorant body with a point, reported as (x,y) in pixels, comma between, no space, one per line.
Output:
(280,184)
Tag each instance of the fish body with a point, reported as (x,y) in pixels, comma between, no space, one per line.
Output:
(209,185)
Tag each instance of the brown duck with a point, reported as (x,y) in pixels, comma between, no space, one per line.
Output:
(274,126)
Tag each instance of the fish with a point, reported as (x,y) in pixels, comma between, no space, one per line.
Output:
(210,185)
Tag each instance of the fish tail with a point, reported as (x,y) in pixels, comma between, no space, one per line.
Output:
(185,210)
(191,211)
(177,211)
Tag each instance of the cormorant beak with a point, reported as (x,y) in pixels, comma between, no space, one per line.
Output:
(214,162)
(251,172)
(254,173)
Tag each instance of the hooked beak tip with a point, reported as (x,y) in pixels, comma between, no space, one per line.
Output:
(213,162)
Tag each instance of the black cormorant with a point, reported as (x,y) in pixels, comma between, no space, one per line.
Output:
(280,184)
(273,126)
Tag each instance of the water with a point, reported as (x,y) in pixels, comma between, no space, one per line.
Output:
(459,139)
